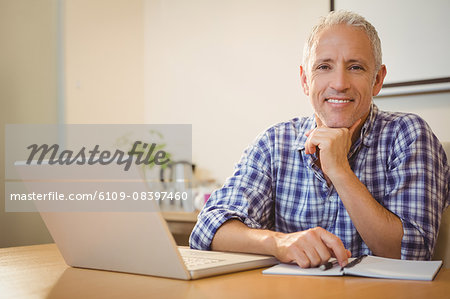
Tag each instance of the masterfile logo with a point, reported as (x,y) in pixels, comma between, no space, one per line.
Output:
(145,155)
(99,168)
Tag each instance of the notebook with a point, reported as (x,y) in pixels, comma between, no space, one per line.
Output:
(370,266)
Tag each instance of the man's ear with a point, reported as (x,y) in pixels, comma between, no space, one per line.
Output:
(304,80)
(379,79)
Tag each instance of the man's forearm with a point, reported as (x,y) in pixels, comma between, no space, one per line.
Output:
(380,229)
(235,236)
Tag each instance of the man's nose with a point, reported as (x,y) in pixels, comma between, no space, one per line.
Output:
(340,80)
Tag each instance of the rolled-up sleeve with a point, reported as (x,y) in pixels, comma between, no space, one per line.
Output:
(245,196)
(417,186)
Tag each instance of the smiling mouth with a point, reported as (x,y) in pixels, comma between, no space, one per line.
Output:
(336,101)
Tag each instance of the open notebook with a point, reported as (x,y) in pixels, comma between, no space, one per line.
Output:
(370,266)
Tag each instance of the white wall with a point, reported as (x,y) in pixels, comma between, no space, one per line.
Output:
(104,61)
(231,68)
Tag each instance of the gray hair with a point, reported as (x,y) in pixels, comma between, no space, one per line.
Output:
(347,18)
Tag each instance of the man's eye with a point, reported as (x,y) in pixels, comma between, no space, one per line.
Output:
(323,67)
(356,67)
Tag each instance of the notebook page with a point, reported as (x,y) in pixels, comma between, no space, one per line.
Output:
(379,267)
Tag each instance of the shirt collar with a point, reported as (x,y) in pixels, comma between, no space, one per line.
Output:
(365,137)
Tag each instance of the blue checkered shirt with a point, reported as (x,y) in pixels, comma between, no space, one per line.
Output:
(277,186)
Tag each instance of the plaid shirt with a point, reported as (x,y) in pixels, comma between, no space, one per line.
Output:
(277,186)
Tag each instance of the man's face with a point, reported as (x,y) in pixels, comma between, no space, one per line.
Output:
(340,80)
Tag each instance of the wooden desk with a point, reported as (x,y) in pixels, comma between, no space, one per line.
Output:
(39,272)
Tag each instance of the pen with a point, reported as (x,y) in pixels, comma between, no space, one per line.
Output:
(354,262)
(328,265)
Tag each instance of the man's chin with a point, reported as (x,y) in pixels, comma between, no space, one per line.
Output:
(339,123)
(336,120)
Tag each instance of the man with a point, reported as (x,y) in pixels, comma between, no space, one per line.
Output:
(350,180)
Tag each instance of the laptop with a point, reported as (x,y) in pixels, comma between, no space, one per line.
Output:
(138,243)
(123,241)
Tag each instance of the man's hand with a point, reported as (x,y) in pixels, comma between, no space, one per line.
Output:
(310,248)
(334,145)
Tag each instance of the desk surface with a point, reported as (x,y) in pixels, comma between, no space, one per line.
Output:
(40,272)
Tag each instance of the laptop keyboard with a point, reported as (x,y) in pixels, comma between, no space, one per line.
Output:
(196,261)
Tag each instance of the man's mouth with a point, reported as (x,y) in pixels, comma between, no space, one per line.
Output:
(339,101)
